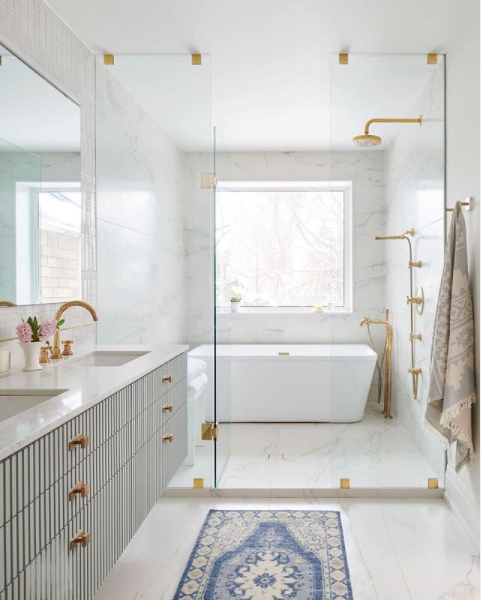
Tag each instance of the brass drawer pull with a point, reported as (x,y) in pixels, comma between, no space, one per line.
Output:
(167,408)
(80,488)
(168,437)
(83,537)
(79,440)
(167,378)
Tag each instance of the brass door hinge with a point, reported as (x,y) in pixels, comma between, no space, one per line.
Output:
(208,181)
(209,431)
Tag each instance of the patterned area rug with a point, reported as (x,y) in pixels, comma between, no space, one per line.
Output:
(268,555)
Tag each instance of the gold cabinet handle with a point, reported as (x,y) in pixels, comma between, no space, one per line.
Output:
(168,437)
(167,408)
(167,378)
(82,537)
(79,440)
(79,488)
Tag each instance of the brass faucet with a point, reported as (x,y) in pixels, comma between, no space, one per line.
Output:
(56,349)
(7,303)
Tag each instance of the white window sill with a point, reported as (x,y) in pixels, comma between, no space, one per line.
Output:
(281,311)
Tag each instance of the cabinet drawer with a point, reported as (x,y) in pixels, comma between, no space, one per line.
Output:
(170,374)
(173,452)
(172,400)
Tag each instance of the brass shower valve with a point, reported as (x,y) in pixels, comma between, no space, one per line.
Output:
(414,300)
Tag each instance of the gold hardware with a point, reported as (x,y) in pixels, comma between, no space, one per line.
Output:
(198,483)
(7,302)
(79,488)
(209,431)
(56,349)
(467,203)
(344,483)
(44,355)
(167,408)
(196,59)
(283,353)
(168,437)
(79,440)
(82,537)
(432,483)
(414,300)
(420,295)
(167,378)
(342,59)
(432,59)
(109,59)
(369,141)
(208,181)
(387,356)
(414,263)
(1,59)
(67,348)
(415,370)
(415,336)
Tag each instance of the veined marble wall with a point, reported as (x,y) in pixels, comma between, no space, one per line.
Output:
(415,181)
(366,171)
(140,221)
(33,32)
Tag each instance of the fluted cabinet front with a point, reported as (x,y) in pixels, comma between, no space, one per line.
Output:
(72,500)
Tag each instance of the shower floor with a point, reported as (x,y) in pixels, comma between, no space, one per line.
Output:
(373,453)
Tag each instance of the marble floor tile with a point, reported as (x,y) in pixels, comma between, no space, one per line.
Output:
(397,550)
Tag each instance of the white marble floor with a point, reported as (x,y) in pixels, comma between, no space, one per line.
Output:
(374,453)
(410,549)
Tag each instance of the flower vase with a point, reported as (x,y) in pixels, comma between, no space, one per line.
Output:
(235,306)
(31,351)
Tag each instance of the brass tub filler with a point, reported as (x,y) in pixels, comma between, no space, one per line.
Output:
(386,358)
(416,302)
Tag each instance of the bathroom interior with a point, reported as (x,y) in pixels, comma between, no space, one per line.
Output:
(235,256)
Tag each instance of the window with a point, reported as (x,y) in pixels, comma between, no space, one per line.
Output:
(284,245)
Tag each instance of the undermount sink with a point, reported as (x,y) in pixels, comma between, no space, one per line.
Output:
(105,358)
(14,402)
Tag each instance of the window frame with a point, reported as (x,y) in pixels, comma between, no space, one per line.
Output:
(344,186)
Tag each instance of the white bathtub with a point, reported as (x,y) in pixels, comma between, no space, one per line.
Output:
(312,383)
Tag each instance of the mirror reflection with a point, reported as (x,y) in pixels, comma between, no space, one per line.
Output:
(40,191)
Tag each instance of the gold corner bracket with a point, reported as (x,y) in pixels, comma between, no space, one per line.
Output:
(198,483)
(109,60)
(343,59)
(432,59)
(196,59)
(344,483)
(432,483)
(209,431)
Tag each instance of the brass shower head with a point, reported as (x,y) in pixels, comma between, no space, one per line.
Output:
(369,141)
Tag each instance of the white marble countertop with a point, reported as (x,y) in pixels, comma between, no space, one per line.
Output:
(85,386)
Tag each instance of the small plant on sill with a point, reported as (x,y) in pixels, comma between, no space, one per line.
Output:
(235,302)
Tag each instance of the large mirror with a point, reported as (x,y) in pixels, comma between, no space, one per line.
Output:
(40,194)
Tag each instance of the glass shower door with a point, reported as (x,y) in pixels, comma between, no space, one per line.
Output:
(222,318)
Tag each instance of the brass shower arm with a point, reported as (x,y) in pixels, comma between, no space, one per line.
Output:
(402,236)
(371,121)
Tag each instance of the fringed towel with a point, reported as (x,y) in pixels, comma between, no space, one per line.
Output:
(451,391)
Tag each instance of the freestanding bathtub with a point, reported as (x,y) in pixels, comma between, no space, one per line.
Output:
(289,383)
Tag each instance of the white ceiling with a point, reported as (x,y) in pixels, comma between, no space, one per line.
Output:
(35,115)
(270,59)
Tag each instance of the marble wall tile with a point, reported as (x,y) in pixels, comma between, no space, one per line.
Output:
(140,211)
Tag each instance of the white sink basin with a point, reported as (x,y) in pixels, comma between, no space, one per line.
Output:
(104,358)
(14,402)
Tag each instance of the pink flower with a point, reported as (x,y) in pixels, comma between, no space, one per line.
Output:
(24,332)
(47,329)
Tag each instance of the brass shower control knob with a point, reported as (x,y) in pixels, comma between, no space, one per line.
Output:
(79,440)
(168,437)
(82,537)
(79,488)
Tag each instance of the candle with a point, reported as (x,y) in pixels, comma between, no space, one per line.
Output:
(4,362)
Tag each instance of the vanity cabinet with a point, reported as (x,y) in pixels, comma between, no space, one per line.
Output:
(72,500)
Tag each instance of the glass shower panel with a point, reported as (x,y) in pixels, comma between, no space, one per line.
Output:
(395,173)
(154,142)
(224,289)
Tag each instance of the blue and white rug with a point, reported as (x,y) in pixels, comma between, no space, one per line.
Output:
(268,555)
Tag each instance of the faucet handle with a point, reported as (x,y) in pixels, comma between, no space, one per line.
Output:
(44,354)
(67,347)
